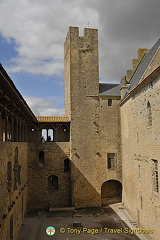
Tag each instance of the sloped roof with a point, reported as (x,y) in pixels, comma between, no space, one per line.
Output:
(52,119)
(151,77)
(138,74)
(13,96)
(109,89)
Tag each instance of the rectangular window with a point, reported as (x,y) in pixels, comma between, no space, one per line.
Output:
(111,160)
(155,175)
(109,102)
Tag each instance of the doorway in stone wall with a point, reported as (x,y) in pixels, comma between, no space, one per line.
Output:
(111,192)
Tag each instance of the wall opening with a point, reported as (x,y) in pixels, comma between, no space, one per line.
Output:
(149,114)
(109,102)
(111,161)
(53,183)
(41,159)
(66,165)
(47,135)
(155,181)
(111,192)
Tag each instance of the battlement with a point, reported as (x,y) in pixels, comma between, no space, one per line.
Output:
(89,34)
(81,66)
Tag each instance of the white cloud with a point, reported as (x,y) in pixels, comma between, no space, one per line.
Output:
(43,107)
(39,29)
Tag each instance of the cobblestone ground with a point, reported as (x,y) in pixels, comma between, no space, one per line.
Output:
(97,223)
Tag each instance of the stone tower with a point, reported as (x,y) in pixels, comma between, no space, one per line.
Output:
(82,104)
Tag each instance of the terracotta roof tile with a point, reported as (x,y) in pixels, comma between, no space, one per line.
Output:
(52,119)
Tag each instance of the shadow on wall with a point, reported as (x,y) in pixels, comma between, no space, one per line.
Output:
(85,195)
(54,181)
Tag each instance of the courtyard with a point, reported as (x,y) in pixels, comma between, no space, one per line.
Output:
(91,223)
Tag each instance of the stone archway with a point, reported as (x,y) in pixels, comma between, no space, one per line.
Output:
(111,192)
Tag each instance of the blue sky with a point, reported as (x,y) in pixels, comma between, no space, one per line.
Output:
(32,35)
(33,86)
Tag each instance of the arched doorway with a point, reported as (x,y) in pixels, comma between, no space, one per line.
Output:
(111,192)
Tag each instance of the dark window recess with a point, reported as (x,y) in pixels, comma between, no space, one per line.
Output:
(111,160)
(66,165)
(149,114)
(53,182)
(155,175)
(41,159)
(109,102)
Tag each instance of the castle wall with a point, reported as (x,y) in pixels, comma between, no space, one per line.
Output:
(90,133)
(49,162)
(81,79)
(110,169)
(110,138)
(14,188)
(140,151)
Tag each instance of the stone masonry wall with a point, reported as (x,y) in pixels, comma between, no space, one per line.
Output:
(41,197)
(110,138)
(14,191)
(89,127)
(81,78)
(140,146)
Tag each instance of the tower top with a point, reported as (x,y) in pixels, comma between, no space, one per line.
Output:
(73,33)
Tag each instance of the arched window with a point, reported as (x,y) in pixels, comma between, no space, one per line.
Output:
(41,159)
(53,182)
(47,135)
(149,114)
(66,165)
(50,136)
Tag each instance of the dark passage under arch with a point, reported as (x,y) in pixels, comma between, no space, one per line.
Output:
(111,192)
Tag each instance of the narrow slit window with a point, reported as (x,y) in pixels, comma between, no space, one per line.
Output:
(111,160)
(66,165)
(155,175)
(41,159)
(149,114)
